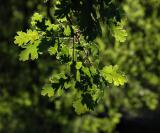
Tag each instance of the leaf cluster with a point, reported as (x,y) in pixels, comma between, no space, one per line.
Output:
(82,75)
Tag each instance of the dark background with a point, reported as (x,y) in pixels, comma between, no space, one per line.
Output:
(24,110)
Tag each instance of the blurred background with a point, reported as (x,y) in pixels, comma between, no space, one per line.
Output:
(133,108)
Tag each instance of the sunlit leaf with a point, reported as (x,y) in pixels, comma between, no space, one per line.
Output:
(112,75)
(26,37)
(31,52)
(78,65)
(119,33)
(47,90)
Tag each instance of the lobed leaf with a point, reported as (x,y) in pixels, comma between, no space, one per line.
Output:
(31,52)
(23,38)
(47,90)
(119,33)
(111,74)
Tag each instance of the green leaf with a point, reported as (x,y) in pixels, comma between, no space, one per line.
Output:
(78,106)
(24,38)
(88,100)
(78,65)
(119,33)
(67,31)
(55,78)
(86,71)
(64,19)
(111,74)
(50,26)
(65,50)
(60,91)
(70,84)
(36,17)
(47,90)
(93,70)
(78,76)
(53,50)
(30,52)
(67,85)
(62,75)
(97,93)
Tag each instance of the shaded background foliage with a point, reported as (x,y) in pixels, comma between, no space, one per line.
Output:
(134,107)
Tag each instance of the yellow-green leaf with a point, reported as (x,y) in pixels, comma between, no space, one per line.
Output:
(112,75)
(47,90)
